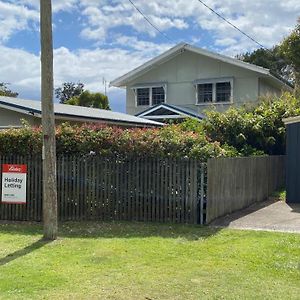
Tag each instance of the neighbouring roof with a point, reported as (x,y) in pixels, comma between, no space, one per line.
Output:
(180,48)
(168,111)
(75,113)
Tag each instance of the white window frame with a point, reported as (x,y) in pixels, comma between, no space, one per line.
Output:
(214,82)
(135,88)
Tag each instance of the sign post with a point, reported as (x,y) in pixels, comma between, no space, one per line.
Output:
(14,183)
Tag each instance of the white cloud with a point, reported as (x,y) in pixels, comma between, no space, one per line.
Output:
(106,15)
(267,22)
(14,18)
(22,69)
(19,15)
(57,5)
(147,48)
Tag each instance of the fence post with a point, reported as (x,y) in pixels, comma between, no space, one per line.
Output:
(201,184)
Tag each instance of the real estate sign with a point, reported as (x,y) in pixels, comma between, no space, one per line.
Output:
(14,183)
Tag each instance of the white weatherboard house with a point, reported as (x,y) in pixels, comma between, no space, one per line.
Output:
(14,110)
(186,80)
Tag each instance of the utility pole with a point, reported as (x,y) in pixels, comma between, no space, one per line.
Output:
(104,83)
(48,123)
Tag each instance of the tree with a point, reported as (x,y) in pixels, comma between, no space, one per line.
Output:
(68,91)
(283,59)
(5,91)
(290,49)
(48,123)
(88,99)
(272,59)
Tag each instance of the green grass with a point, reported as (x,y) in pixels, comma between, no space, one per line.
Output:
(147,261)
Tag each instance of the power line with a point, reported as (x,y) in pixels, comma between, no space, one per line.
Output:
(148,20)
(234,26)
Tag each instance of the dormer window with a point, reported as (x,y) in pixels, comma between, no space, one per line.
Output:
(214,90)
(150,95)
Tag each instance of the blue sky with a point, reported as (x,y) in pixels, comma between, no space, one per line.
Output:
(100,38)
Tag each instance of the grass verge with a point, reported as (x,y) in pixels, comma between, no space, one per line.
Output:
(120,260)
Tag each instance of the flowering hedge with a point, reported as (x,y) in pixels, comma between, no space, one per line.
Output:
(170,141)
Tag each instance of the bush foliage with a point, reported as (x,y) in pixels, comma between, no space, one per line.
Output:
(170,141)
(252,130)
(237,132)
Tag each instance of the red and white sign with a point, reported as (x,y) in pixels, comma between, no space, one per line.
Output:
(14,184)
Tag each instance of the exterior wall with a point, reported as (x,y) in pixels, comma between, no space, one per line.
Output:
(12,118)
(265,88)
(182,70)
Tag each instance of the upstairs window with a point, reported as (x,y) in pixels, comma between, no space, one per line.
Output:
(214,90)
(143,96)
(149,96)
(158,95)
(205,92)
(223,91)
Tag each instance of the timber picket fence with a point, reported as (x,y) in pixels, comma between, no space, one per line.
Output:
(236,183)
(109,188)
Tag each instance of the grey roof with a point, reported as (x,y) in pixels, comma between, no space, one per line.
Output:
(181,110)
(75,113)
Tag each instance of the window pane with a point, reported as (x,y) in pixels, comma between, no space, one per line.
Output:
(205,92)
(158,95)
(143,96)
(223,90)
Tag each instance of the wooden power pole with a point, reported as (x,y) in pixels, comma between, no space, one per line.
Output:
(48,123)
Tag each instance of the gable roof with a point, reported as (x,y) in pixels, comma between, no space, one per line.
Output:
(169,111)
(182,47)
(75,113)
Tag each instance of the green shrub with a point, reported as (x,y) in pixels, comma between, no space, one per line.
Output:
(251,131)
(169,141)
(237,132)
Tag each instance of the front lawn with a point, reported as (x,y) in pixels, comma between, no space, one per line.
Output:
(147,261)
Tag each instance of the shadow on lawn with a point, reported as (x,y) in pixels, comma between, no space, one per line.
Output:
(24,251)
(114,229)
(135,230)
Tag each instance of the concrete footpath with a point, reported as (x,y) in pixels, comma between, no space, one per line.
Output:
(268,215)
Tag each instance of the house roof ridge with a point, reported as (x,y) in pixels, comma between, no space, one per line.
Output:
(177,49)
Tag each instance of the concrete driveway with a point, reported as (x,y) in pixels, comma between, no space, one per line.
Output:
(269,215)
